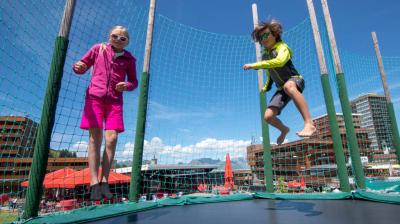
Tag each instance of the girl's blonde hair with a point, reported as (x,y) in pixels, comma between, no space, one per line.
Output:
(124,29)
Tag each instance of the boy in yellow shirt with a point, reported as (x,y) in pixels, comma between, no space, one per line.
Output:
(290,84)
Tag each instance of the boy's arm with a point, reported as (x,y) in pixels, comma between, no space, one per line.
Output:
(280,60)
(268,84)
(132,82)
(88,58)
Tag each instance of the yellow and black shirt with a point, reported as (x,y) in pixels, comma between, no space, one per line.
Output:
(279,65)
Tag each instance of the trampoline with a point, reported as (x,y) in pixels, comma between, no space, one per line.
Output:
(198,110)
(240,208)
(268,211)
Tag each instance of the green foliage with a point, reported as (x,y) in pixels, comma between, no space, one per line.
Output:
(281,187)
(63,153)
(8,216)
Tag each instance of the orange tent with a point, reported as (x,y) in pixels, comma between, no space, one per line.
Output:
(296,183)
(228,172)
(82,177)
(54,176)
(293,183)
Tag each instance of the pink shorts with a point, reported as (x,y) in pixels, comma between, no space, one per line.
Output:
(96,112)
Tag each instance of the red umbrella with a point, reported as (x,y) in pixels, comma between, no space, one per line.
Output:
(82,177)
(228,172)
(53,176)
(201,188)
(302,183)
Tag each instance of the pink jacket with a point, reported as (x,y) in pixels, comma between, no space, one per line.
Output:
(107,72)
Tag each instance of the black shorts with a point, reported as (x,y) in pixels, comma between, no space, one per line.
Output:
(280,99)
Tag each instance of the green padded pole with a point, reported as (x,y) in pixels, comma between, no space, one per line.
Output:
(337,141)
(392,116)
(134,188)
(330,107)
(350,132)
(395,130)
(267,159)
(43,136)
(139,137)
(344,101)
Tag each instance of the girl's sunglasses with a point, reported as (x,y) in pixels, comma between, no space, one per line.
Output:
(264,36)
(118,37)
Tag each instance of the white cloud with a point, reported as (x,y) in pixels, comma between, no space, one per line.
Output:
(80,148)
(127,152)
(150,148)
(209,147)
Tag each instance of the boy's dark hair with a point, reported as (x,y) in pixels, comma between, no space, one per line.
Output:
(274,26)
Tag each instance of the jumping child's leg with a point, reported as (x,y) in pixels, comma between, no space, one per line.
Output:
(109,152)
(270,117)
(95,140)
(108,157)
(291,90)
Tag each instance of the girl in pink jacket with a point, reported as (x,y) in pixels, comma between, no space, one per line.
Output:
(114,71)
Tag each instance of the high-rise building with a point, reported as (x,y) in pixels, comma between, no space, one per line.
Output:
(17,142)
(313,159)
(17,136)
(375,119)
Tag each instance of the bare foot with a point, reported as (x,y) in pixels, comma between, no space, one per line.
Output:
(281,137)
(307,132)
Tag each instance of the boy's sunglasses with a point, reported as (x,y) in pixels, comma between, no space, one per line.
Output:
(118,37)
(264,36)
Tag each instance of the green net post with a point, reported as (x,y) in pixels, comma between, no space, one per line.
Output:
(142,110)
(392,116)
(345,103)
(139,137)
(330,107)
(395,130)
(43,136)
(337,142)
(267,159)
(350,132)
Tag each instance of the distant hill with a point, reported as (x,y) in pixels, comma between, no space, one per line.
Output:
(237,163)
(240,163)
(124,163)
(205,161)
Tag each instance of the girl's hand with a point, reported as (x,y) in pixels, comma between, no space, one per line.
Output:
(247,66)
(121,86)
(80,67)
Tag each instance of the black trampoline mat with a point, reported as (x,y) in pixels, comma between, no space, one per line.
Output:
(269,211)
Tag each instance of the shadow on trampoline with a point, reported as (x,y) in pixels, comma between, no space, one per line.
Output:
(303,207)
(151,216)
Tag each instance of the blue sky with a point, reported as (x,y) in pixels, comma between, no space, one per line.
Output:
(201,102)
(353,20)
